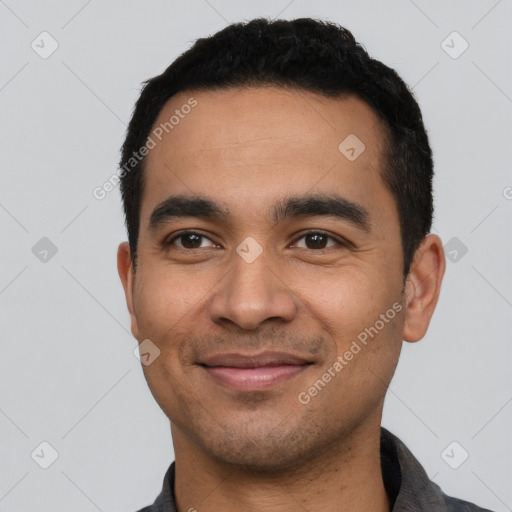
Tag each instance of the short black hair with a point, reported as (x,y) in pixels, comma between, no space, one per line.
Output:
(311,55)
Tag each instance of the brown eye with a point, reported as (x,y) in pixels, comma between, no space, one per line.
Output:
(190,240)
(317,240)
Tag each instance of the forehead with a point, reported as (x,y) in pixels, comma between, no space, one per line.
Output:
(247,146)
(240,115)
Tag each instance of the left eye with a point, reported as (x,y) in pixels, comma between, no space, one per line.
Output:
(317,240)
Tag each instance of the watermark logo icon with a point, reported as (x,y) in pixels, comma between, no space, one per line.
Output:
(44,45)
(454,455)
(44,455)
(351,147)
(146,352)
(454,45)
(44,250)
(249,249)
(455,250)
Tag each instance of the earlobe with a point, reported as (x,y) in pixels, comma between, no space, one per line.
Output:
(423,286)
(126,273)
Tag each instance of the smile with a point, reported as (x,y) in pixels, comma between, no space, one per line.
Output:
(244,372)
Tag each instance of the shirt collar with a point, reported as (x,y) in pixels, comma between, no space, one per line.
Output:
(406,482)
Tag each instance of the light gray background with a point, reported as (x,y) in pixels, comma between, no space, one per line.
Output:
(67,369)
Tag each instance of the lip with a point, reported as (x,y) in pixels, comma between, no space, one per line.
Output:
(254,372)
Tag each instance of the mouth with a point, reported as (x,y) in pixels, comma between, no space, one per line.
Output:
(254,372)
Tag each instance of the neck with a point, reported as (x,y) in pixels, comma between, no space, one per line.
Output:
(342,477)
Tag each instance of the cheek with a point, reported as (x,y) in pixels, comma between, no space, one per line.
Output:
(165,301)
(166,297)
(348,305)
(342,299)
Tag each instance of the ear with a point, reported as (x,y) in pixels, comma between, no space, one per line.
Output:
(422,288)
(127,275)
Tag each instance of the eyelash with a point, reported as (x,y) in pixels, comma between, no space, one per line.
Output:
(340,242)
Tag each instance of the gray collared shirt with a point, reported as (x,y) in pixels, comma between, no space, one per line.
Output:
(406,482)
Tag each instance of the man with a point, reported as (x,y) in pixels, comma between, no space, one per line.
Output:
(277,186)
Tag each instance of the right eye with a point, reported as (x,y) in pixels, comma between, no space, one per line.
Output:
(189,240)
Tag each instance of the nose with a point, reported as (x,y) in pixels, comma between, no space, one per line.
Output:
(251,294)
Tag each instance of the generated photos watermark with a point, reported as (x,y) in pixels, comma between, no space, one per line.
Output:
(156,136)
(341,361)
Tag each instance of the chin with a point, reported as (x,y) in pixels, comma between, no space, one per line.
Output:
(260,460)
(258,450)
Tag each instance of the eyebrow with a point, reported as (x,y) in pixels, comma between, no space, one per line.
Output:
(313,205)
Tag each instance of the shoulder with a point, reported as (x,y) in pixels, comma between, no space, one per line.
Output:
(409,483)
(458,505)
(158,507)
(165,501)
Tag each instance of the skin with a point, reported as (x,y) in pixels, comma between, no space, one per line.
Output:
(247,149)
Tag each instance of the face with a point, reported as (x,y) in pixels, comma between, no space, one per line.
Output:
(269,273)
